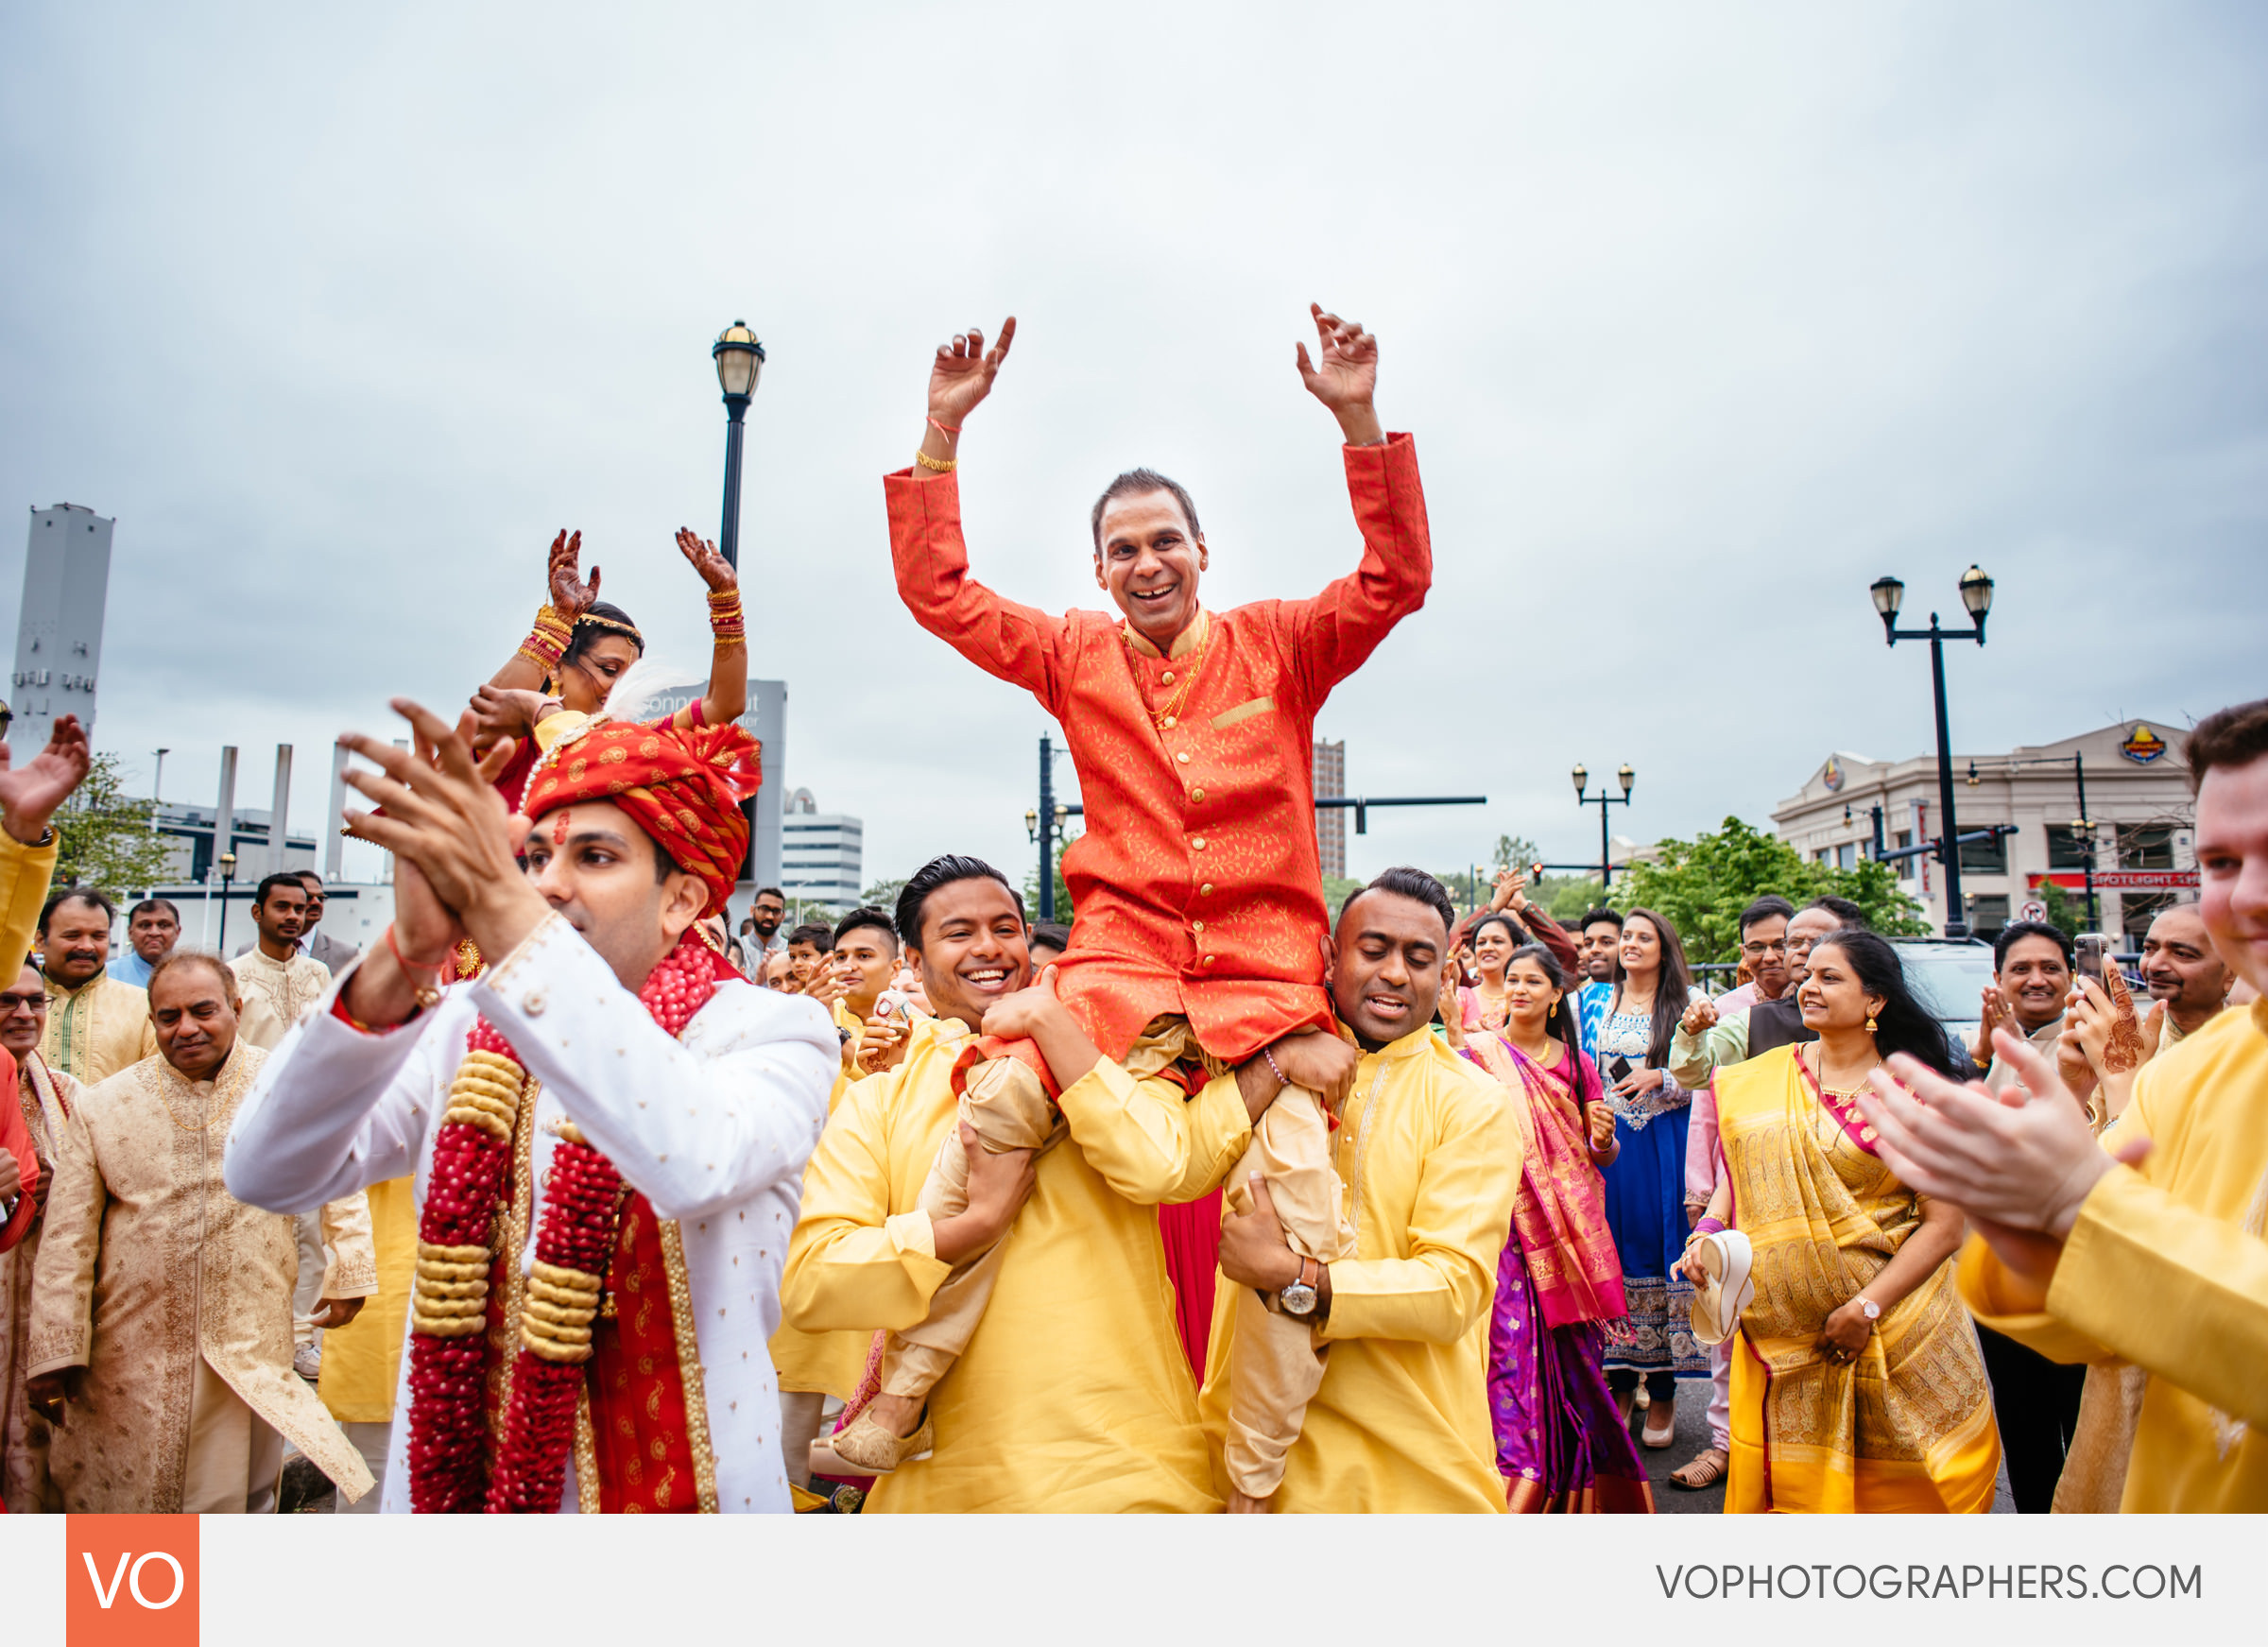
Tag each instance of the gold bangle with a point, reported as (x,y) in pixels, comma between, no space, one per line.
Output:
(935,465)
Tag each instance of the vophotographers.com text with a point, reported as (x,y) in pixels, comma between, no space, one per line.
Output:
(1886,1581)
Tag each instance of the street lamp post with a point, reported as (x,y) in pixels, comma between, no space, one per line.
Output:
(1056,816)
(739,359)
(157,784)
(1603,800)
(227,874)
(1976,594)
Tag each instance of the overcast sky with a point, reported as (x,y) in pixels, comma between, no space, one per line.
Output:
(1704,316)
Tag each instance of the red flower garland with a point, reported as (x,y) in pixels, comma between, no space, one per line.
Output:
(575,1241)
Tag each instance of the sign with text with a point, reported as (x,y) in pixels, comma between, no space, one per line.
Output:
(2124,880)
(129,1580)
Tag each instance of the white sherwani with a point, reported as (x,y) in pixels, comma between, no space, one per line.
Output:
(713,1129)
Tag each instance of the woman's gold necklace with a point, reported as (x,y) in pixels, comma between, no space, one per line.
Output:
(1820,1076)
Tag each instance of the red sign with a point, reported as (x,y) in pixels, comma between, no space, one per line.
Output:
(131,1581)
(2124,880)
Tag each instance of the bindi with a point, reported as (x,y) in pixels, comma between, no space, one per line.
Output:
(558,826)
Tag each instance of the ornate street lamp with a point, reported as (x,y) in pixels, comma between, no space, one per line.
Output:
(1976,595)
(1603,800)
(739,361)
(227,874)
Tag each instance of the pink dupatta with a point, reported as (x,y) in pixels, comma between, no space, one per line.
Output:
(1560,1211)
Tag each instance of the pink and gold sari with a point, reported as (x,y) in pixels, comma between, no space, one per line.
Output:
(1906,1427)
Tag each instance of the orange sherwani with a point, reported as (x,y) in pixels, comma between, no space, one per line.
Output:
(1197,884)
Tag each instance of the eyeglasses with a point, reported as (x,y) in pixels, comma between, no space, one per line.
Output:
(10,1003)
(1757,952)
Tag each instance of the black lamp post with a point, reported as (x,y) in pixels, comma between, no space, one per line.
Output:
(739,360)
(1057,814)
(227,874)
(1976,594)
(1603,800)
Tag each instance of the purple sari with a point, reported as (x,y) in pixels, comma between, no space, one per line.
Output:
(1560,1445)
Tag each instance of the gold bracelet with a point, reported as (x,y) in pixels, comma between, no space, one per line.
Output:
(935,465)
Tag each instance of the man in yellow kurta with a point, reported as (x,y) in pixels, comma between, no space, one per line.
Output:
(1073,1395)
(97,1025)
(161,1336)
(1429,1153)
(2160,1258)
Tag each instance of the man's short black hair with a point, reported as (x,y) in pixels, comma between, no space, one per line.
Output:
(1765,908)
(1051,935)
(147,905)
(288,878)
(63,895)
(865,916)
(769,892)
(1137,483)
(1415,884)
(1843,910)
(310,875)
(1614,918)
(2016,931)
(819,937)
(914,898)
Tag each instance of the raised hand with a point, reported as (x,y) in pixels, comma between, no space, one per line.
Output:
(503,712)
(717,572)
(1699,1018)
(961,376)
(571,597)
(1344,375)
(29,794)
(2124,1051)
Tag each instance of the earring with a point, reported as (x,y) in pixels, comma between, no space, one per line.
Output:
(1870,1023)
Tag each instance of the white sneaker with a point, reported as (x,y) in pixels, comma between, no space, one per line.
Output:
(307,1361)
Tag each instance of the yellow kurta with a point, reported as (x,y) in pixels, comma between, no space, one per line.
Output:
(97,1029)
(149,1267)
(1429,1152)
(825,1363)
(25,872)
(363,1358)
(1073,1395)
(276,993)
(23,1434)
(2167,1268)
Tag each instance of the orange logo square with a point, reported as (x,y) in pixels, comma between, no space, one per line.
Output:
(131,1581)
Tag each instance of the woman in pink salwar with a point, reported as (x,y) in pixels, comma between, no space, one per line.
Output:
(1560,1444)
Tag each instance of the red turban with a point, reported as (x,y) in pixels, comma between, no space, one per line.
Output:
(683,786)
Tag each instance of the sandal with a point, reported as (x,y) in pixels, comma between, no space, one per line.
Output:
(1667,1434)
(1702,1473)
(871,1450)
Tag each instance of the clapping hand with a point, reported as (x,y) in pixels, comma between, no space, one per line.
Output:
(1992,1011)
(1511,891)
(30,793)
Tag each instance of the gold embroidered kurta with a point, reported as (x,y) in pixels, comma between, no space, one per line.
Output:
(47,1099)
(276,995)
(97,1029)
(1074,1395)
(148,1266)
(2167,1268)
(1429,1156)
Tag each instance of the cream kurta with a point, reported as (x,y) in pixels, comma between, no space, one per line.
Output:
(1429,1154)
(276,995)
(97,1029)
(148,1265)
(826,1363)
(1073,1395)
(23,1434)
(2167,1268)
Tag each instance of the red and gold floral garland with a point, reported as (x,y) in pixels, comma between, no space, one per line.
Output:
(454,1300)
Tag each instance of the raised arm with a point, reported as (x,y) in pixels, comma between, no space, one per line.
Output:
(728,696)
(1327,638)
(1017,644)
(538,655)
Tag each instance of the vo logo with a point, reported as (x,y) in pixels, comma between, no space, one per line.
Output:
(131,1581)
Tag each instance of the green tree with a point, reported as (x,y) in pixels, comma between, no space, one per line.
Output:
(1031,889)
(1566,899)
(104,837)
(2067,909)
(1514,852)
(1704,883)
(883,894)
(1337,889)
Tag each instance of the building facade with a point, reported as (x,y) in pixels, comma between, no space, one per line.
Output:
(59,627)
(1331,821)
(2138,824)
(822,855)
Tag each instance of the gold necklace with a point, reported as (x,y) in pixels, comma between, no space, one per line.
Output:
(200,1126)
(1819,1074)
(1165,718)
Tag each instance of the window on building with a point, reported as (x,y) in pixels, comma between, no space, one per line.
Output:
(2067,846)
(1847,856)
(1902,839)
(1987,914)
(2145,846)
(1985,857)
(1819,856)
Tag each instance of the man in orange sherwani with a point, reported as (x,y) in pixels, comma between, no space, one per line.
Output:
(1197,884)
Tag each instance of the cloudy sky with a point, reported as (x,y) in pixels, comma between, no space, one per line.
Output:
(1704,316)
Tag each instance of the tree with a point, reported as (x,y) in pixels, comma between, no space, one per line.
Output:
(1031,889)
(1566,899)
(104,837)
(1514,852)
(2067,909)
(883,894)
(1701,886)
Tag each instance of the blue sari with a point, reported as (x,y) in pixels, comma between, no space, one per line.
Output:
(1645,1211)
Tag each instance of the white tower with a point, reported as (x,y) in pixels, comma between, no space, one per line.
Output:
(59,632)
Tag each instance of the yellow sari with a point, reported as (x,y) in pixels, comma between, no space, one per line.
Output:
(1906,1427)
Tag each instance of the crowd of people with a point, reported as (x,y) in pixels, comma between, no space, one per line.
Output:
(566,1195)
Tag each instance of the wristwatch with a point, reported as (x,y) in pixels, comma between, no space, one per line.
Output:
(1301,1296)
(1869,1308)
